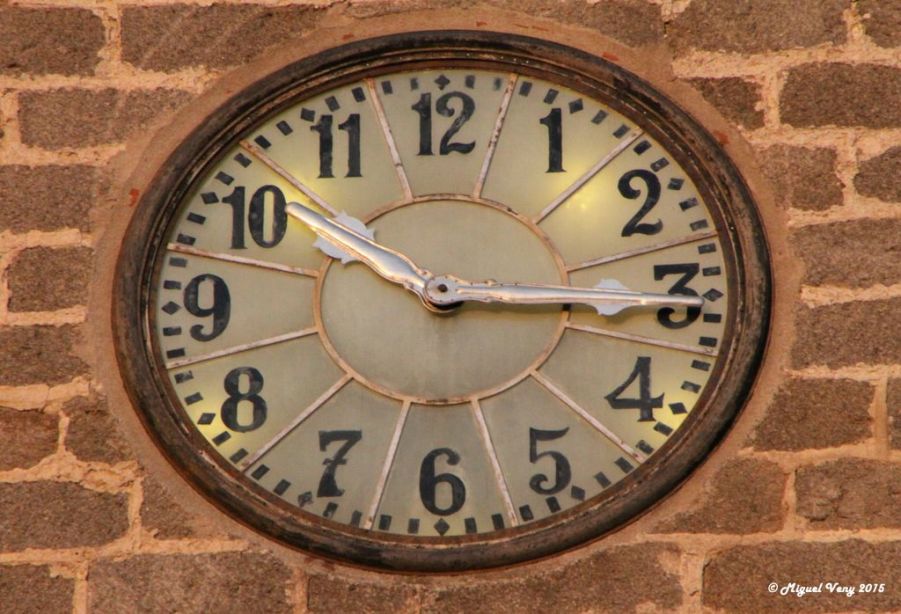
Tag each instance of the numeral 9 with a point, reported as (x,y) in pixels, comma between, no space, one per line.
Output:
(220,308)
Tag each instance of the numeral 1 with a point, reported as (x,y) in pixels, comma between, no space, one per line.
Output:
(326,145)
(554,123)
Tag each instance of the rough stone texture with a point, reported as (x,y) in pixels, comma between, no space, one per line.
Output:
(815,414)
(736,579)
(325,594)
(850,494)
(735,98)
(893,401)
(58,515)
(866,332)
(168,38)
(802,178)
(745,497)
(53,40)
(878,176)
(881,21)
(31,288)
(26,589)
(74,117)
(842,94)
(854,254)
(754,27)
(39,354)
(47,197)
(93,434)
(230,582)
(634,22)
(616,580)
(25,438)
(163,516)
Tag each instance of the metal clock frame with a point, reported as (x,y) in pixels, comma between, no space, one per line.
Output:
(719,182)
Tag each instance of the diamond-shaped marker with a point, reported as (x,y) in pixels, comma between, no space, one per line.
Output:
(442,82)
(577,493)
(441,527)
(170,308)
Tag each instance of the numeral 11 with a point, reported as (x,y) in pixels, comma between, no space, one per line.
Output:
(326,145)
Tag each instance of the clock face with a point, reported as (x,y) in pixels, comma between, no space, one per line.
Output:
(326,404)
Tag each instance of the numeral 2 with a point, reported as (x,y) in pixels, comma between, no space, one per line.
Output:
(652,195)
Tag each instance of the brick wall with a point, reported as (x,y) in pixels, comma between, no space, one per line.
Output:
(806,488)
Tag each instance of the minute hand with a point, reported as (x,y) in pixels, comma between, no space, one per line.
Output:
(392,265)
(445,290)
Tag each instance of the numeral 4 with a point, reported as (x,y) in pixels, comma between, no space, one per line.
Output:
(645,403)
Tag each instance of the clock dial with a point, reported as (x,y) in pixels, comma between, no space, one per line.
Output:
(325,395)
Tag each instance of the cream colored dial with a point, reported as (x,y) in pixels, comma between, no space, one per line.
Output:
(335,392)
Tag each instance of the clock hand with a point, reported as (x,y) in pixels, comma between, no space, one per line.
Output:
(609,297)
(392,265)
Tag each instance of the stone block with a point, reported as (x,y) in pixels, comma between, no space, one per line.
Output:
(42,41)
(745,497)
(26,437)
(39,355)
(855,254)
(328,594)
(179,36)
(47,279)
(620,579)
(93,434)
(812,414)
(76,117)
(26,589)
(850,493)
(802,178)
(47,197)
(823,94)
(735,98)
(226,582)
(878,176)
(55,515)
(757,27)
(867,332)
(881,21)
(737,579)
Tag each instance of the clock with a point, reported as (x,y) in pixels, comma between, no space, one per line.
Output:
(442,301)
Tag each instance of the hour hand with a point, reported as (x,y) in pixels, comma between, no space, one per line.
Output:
(609,297)
(387,263)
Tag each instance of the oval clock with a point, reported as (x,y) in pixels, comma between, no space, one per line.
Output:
(442,301)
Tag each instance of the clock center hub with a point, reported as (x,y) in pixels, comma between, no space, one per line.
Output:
(387,339)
